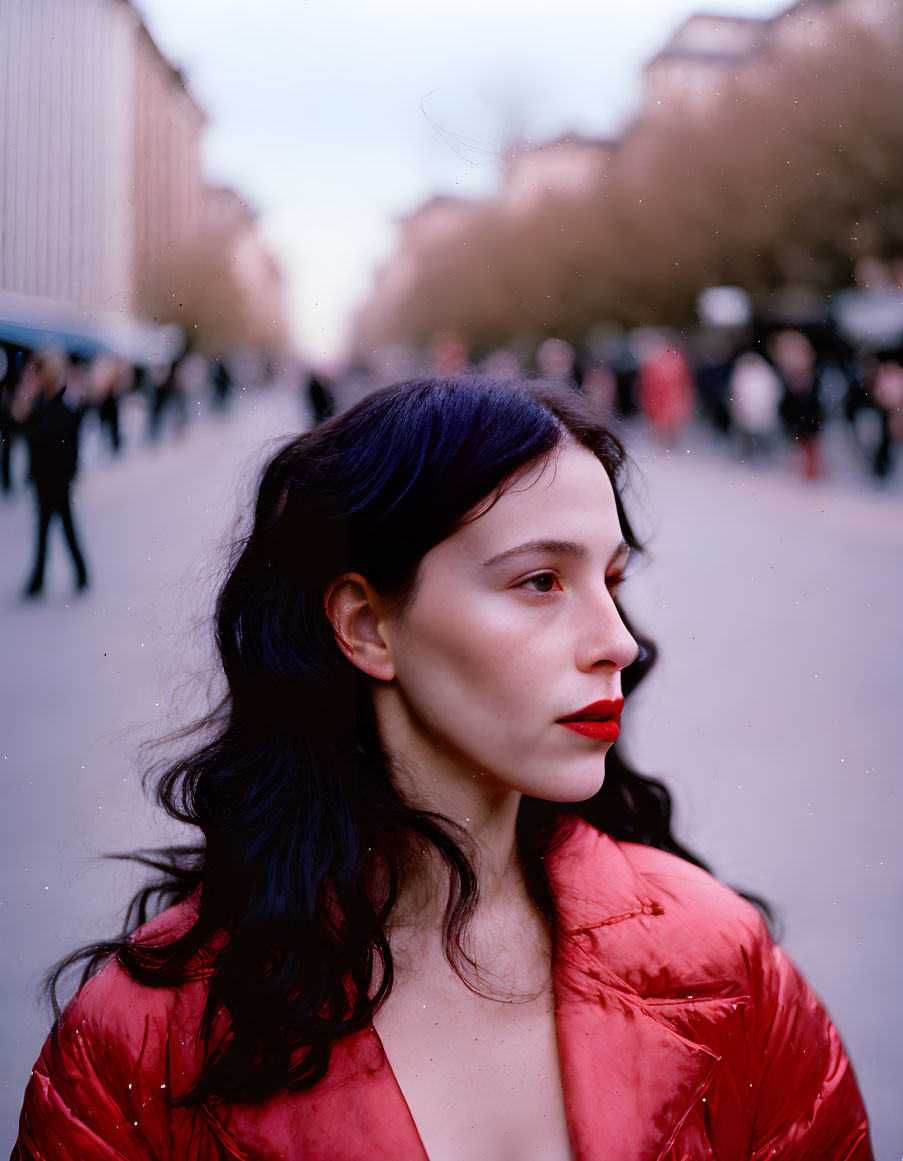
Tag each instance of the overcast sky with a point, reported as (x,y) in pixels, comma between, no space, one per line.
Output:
(334,117)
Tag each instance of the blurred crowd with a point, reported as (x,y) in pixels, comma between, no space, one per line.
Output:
(49,399)
(768,396)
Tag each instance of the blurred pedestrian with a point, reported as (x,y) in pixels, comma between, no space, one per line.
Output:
(320,398)
(600,384)
(860,409)
(10,361)
(168,386)
(755,391)
(448,355)
(800,407)
(221,382)
(193,384)
(50,428)
(501,364)
(665,389)
(713,366)
(624,363)
(888,395)
(609,369)
(557,360)
(109,378)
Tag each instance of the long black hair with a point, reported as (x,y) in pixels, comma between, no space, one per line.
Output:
(290,789)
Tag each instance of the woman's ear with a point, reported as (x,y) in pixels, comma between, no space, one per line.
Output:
(355,611)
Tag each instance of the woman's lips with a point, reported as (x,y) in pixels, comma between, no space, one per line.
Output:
(601,720)
(604,731)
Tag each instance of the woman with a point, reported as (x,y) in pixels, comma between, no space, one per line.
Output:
(421,925)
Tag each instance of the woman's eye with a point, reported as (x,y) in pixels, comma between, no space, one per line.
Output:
(613,583)
(543,582)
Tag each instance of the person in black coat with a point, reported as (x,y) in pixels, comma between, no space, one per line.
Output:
(320,398)
(801,409)
(50,428)
(11,359)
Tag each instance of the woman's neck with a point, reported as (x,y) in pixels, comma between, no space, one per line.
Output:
(505,941)
(505,923)
(485,819)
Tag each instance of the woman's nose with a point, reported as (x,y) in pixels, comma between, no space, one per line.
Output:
(605,639)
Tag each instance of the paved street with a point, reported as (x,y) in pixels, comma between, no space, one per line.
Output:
(773,709)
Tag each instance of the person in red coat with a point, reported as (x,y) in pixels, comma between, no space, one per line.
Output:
(665,389)
(435,914)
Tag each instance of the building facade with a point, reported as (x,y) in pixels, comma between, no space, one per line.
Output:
(66,72)
(102,195)
(709,53)
(168,194)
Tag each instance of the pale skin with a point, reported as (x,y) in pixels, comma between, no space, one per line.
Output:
(468,684)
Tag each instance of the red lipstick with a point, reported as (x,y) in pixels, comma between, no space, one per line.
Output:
(601,720)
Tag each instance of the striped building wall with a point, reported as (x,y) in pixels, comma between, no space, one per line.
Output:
(66,72)
(168,197)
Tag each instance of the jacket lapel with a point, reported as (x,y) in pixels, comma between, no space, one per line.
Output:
(630,1080)
(356,1113)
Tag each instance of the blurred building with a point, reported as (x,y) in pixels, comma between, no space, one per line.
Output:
(758,158)
(693,65)
(709,51)
(569,166)
(168,194)
(102,198)
(567,169)
(434,224)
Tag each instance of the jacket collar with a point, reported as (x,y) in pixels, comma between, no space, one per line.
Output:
(593,882)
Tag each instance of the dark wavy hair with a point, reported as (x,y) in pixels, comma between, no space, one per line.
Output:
(291,790)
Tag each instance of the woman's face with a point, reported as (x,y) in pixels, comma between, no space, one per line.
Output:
(513,627)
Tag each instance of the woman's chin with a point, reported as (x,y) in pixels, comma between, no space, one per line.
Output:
(575,786)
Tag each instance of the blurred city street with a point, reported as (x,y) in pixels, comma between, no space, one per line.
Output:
(689,219)
(775,603)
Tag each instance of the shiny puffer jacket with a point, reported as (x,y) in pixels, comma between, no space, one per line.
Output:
(684,1033)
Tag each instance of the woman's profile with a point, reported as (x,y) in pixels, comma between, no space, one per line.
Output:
(432,914)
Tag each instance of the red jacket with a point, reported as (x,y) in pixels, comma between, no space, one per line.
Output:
(684,1035)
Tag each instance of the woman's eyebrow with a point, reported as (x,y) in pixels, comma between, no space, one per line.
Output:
(560,547)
